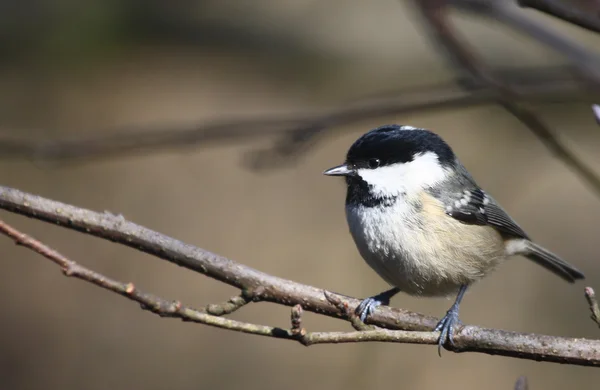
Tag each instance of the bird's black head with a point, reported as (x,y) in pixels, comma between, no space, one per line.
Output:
(392,144)
(391,160)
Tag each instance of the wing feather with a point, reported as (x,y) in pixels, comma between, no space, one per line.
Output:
(476,207)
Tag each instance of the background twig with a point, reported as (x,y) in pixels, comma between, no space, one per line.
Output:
(460,54)
(568,11)
(541,85)
(522,384)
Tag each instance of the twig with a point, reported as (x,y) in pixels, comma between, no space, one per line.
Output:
(259,286)
(596,111)
(232,304)
(347,313)
(522,383)
(567,12)
(296,319)
(590,295)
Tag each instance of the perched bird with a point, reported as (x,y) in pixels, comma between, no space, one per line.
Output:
(423,224)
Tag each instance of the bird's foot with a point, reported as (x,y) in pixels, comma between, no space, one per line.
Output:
(366,307)
(446,326)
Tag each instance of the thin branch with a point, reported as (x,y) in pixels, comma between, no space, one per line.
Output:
(165,308)
(232,304)
(263,287)
(590,295)
(567,12)
(347,312)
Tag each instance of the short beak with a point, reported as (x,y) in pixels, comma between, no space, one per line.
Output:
(340,170)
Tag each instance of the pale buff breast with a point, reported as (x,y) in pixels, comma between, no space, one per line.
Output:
(431,262)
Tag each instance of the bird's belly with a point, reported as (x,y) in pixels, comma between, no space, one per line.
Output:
(432,262)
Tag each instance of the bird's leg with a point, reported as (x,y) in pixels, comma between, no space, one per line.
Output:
(367,306)
(450,320)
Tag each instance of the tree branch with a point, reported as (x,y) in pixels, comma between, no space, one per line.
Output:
(567,12)
(258,286)
(175,309)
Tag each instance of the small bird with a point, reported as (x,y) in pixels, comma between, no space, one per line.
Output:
(423,224)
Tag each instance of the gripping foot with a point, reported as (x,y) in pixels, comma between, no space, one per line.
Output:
(367,306)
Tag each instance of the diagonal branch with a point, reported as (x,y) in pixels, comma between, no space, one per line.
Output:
(568,12)
(165,308)
(259,286)
(585,61)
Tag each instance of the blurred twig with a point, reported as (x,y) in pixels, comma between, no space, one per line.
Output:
(521,383)
(596,111)
(585,61)
(435,13)
(590,295)
(568,11)
(539,85)
(258,286)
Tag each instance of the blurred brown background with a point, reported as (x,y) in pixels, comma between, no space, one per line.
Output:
(74,68)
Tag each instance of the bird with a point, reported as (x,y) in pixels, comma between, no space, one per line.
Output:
(422,223)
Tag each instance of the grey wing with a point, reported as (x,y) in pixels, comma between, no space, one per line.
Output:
(474,206)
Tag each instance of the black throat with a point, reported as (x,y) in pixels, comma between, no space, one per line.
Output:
(359,194)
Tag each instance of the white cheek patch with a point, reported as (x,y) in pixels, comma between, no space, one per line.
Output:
(405,178)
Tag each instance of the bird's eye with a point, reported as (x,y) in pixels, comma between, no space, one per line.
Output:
(374,163)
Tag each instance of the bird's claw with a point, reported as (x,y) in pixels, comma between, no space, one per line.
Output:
(446,327)
(368,305)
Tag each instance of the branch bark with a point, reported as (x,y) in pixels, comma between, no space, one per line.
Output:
(258,286)
(175,309)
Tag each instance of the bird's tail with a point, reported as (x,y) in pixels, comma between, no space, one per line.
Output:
(551,262)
